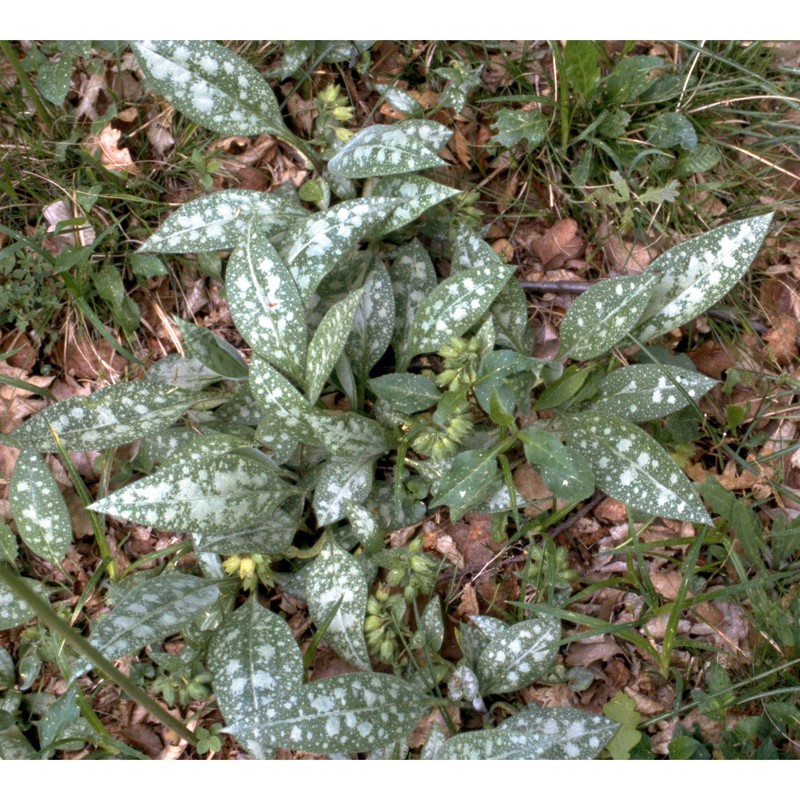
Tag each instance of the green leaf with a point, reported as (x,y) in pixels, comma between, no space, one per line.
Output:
(335,577)
(15,612)
(256,666)
(352,713)
(694,275)
(383,150)
(433,135)
(632,467)
(145,266)
(462,79)
(265,303)
(454,306)
(181,373)
(364,526)
(702,159)
(39,508)
(212,86)
(329,342)
(318,243)
(582,63)
(432,624)
(202,491)
(212,351)
(603,316)
(574,734)
(413,279)
(373,322)
(273,534)
(157,608)
(9,550)
(342,478)
(514,127)
(349,434)
(519,655)
(467,483)
(111,417)
(52,80)
(417,194)
(648,391)
(629,78)
(565,471)
(672,129)
(622,709)
(402,101)
(498,744)
(405,391)
(218,221)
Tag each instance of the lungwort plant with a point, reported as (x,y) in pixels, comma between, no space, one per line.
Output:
(376,393)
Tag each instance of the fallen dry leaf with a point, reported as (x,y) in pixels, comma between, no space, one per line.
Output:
(112,156)
(561,243)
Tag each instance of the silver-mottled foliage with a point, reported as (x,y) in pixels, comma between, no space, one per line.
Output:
(469,480)
(373,321)
(39,508)
(13,611)
(650,391)
(211,350)
(692,276)
(218,221)
(273,534)
(603,316)
(265,303)
(406,392)
(335,577)
(573,734)
(418,195)
(493,745)
(519,655)
(632,467)
(212,86)
(342,478)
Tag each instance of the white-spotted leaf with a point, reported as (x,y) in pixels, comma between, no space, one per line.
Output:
(454,306)
(432,134)
(15,612)
(218,221)
(632,467)
(603,316)
(518,656)
(406,392)
(469,480)
(573,734)
(432,624)
(9,550)
(39,508)
(265,303)
(111,417)
(336,578)
(648,391)
(212,351)
(256,667)
(318,243)
(157,608)
(212,86)
(273,534)
(201,491)
(418,195)
(692,276)
(373,321)
(342,478)
(493,745)
(413,279)
(329,342)
(364,525)
(384,150)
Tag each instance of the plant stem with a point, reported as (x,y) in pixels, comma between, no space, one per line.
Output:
(41,110)
(81,645)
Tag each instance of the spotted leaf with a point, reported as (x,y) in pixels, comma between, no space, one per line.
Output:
(273,534)
(418,195)
(219,220)
(469,480)
(256,667)
(573,734)
(201,491)
(495,744)
(384,150)
(212,86)
(155,609)
(39,508)
(15,612)
(335,577)
(211,350)
(318,243)
(405,391)
(432,134)
(692,276)
(603,316)
(649,391)
(364,525)
(265,303)
(517,656)
(329,342)
(564,470)
(373,322)
(453,307)
(352,713)
(413,279)
(432,624)
(342,478)
(632,467)
(111,417)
